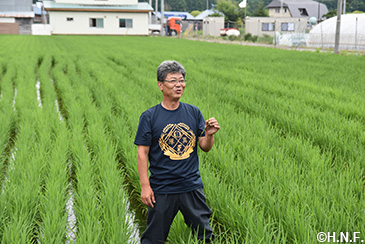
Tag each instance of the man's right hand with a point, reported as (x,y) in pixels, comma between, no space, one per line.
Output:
(148,197)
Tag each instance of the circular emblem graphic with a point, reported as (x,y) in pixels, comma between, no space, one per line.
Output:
(177,141)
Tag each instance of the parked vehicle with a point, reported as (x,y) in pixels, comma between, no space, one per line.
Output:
(173,26)
(229,31)
(233,32)
(154,29)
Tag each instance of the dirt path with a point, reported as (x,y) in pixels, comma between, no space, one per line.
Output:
(243,43)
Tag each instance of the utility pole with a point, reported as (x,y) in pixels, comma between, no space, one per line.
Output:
(156,10)
(162,17)
(207,4)
(243,4)
(43,16)
(338,26)
(356,36)
(344,7)
(150,14)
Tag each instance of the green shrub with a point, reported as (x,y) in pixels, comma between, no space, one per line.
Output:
(248,37)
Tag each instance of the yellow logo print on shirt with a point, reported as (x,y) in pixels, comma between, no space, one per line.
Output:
(177,141)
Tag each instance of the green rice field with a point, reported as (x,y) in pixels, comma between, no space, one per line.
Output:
(287,164)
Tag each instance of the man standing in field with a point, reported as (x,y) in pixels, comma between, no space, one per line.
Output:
(167,138)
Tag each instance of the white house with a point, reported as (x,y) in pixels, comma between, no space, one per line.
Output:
(98,17)
(16,17)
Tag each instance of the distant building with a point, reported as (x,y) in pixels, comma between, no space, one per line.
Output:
(16,17)
(259,26)
(205,13)
(212,26)
(352,32)
(98,17)
(286,16)
(297,9)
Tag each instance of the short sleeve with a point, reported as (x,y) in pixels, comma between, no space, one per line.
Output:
(201,124)
(144,132)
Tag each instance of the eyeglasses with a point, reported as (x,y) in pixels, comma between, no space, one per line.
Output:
(176,81)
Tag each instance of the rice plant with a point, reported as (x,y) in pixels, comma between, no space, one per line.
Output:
(287,163)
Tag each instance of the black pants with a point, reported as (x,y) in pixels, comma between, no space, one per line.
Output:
(193,207)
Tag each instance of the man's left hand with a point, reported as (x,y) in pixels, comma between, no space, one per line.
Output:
(211,126)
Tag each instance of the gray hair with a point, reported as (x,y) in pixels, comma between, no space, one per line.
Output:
(167,67)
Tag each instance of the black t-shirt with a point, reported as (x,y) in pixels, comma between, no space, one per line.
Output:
(173,139)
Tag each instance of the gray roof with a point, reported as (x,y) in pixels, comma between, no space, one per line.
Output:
(310,6)
(204,14)
(16,5)
(140,7)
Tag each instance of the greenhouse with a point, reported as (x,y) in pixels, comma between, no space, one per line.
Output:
(352,33)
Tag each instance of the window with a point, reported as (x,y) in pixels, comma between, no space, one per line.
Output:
(126,23)
(268,26)
(98,23)
(287,26)
(70,19)
(277,10)
(303,12)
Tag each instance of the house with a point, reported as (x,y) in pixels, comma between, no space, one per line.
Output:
(260,26)
(212,26)
(98,17)
(286,16)
(16,17)
(203,22)
(297,9)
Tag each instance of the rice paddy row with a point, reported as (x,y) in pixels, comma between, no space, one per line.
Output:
(288,162)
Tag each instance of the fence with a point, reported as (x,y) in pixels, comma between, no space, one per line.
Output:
(321,41)
(327,41)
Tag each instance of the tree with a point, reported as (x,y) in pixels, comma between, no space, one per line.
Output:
(330,14)
(175,5)
(181,5)
(331,4)
(195,13)
(216,14)
(353,5)
(198,4)
(260,10)
(252,5)
(229,8)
